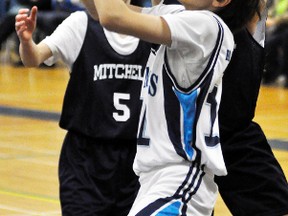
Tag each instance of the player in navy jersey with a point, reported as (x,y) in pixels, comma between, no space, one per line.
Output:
(100,111)
(178,150)
(255,184)
(245,148)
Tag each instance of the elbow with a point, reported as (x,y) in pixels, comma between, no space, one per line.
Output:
(29,56)
(30,64)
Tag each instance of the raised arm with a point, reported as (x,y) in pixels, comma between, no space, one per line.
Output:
(32,55)
(116,16)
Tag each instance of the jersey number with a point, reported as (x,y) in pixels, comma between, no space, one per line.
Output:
(123,111)
(210,140)
(143,137)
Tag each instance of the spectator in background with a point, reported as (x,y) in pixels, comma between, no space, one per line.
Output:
(51,14)
(276,72)
(48,20)
(4,5)
(8,19)
(7,24)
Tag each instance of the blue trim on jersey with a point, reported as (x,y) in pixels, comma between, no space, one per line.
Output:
(178,203)
(188,104)
(172,210)
(173,112)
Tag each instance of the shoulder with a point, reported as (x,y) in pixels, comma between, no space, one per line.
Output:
(201,20)
(196,19)
(75,23)
(66,41)
(194,27)
(77,17)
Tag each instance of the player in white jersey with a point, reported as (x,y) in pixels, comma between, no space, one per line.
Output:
(178,124)
(178,150)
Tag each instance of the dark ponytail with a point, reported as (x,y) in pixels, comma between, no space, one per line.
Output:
(239,12)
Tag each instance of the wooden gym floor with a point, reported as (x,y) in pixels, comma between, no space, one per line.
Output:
(30,139)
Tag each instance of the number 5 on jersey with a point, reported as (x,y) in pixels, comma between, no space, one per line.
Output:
(123,111)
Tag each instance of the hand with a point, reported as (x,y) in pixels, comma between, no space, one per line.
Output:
(25,24)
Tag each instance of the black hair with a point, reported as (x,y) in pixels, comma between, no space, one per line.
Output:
(239,12)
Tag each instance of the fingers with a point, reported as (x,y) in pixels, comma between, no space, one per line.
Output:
(20,18)
(33,14)
(20,24)
(24,20)
(23,11)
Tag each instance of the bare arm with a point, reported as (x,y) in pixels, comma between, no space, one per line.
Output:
(32,55)
(116,16)
(90,6)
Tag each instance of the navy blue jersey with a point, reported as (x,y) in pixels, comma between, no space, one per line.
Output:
(255,184)
(241,84)
(102,97)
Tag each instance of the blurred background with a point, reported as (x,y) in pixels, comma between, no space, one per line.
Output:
(31,102)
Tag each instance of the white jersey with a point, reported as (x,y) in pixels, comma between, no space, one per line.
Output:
(72,31)
(182,92)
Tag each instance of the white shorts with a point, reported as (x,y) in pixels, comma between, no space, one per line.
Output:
(175,190)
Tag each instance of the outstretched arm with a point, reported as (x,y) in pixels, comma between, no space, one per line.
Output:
(32,55)
(116,16)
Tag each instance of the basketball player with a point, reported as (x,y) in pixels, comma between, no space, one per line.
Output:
(245,148)
(178,150)
(255,184)
(100,112)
